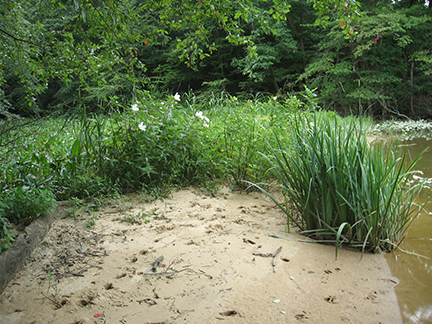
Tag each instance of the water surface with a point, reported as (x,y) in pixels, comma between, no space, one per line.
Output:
(414,291)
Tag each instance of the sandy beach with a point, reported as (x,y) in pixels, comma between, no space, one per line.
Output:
(194,258)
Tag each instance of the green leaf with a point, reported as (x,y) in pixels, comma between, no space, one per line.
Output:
(84,14)
(76,148)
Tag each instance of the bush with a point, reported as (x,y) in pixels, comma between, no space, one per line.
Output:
(22,205)
(6,236)
(344,189)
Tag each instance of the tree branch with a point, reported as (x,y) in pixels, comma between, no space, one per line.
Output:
(17,39)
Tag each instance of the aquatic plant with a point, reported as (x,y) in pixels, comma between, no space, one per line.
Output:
(342,189)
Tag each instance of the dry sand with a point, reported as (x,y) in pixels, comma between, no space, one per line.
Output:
(215,268)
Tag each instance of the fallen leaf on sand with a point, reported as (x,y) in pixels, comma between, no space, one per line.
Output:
(229,313)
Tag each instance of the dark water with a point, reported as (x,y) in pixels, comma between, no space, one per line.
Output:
(414,291)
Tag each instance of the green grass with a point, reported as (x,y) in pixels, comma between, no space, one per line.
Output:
(344,189)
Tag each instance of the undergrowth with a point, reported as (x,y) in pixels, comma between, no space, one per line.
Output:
(345,190)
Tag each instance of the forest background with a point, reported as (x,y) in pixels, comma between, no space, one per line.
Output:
(372,57)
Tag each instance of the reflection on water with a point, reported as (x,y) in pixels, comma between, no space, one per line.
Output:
(415,272)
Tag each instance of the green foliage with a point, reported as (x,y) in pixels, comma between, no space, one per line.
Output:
(99,54)
(6,236)
(343,189)
(379,69)
(50,41)
(330,173)
(21,205)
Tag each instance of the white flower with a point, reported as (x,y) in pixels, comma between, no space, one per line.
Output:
(142,126)
(200,115)
(274,98)
(177,97)
(135,107)
(205,125)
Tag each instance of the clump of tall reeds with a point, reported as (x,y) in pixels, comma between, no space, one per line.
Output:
(345,189)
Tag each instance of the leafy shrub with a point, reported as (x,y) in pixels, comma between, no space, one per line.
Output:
(6,236)
(21,205)
(156,144)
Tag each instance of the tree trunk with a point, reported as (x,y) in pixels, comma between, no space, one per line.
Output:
(299,35)
(412,88)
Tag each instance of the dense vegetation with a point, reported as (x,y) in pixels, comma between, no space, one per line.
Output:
(135,94)
(61,55)
(337,187)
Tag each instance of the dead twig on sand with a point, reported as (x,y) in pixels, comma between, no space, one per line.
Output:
(156,263)
(80,272)
(267,255)
(172,272)
(56,303)
(264,255)
(274,258)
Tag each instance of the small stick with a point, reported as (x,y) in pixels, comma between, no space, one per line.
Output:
(274,258)
(264,255)
(157,262)
(173,271)
(58,305)
(79,273)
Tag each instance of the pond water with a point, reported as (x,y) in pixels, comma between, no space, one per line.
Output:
(414,291)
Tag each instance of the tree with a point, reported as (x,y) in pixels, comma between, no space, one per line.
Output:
(80,42)
(46,40)
(375,70)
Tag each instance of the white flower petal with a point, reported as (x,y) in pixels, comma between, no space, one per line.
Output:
(142,126)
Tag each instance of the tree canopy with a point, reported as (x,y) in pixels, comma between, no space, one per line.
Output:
(63,54)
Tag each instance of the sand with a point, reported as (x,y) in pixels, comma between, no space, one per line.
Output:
(194,258)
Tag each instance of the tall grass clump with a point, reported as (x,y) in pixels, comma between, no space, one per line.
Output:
(343,189)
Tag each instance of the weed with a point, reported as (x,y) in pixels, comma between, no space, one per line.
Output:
(92,220)
(345,190)
(136,219)
(23,204)
(76,206)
